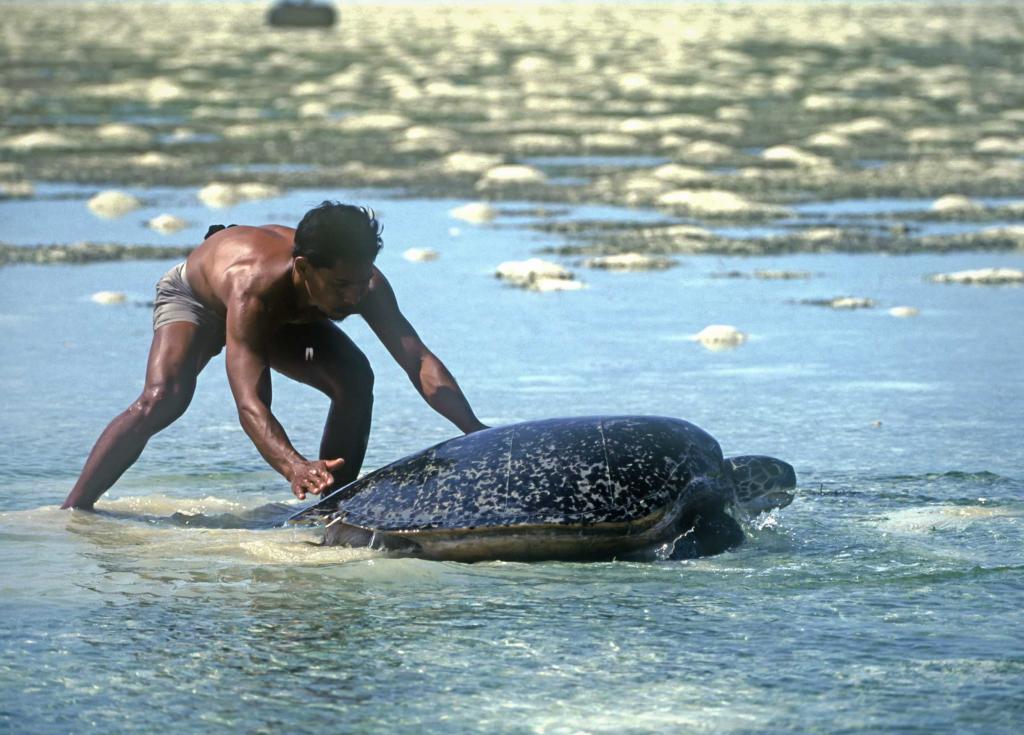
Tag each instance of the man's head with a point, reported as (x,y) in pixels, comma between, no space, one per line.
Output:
(335,246)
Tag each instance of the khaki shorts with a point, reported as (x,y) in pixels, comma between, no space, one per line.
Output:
(175,302)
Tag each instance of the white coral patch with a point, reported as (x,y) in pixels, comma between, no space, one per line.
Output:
(113,203)
(720,337)
(984,276)
(219,194)
(109,297)
(956,203)
(535,274)
(469,162)
(38,140)
(475,212)
(630,262)
(420,255)
(715,203)
(511,175)
(167,224)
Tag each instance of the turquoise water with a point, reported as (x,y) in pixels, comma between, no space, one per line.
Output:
(887,597)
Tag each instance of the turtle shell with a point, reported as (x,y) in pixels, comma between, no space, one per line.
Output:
(557,472)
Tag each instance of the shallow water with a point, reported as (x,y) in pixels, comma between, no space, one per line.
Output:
(887,597)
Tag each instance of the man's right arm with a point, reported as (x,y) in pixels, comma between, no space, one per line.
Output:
(247,361)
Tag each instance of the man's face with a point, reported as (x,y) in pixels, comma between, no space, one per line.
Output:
(337,290)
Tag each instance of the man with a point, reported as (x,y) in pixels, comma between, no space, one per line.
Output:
(271,295)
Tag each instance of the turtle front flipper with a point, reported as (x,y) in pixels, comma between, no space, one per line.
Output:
(713,532)
(761,483)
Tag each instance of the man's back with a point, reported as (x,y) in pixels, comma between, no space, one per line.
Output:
(251,260)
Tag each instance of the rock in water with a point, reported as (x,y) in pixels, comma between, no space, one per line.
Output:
(982,276)
(167,224)
(720,337)
(302,14)
(537,275)
(109,297)
(630,262)
(510,175)
(113,203)
(420,255)
(475,212)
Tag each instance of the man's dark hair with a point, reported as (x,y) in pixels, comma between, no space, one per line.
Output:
(333,231)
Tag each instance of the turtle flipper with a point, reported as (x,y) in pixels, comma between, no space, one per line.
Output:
(713,532)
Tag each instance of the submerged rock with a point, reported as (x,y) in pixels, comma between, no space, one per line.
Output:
(829,141)
(219,195)
(16,190)
(113,203)
(469,162)
(167,224)
(781,275)
(792,156)
(374,121)
(420,255)
(717,203)
(981,276)
(109,297)
(304,14)
(511,175)
(545,285)
(537,275)
(673,173)
(123,134)
(87,253)
(474,212)
(842,302)
(717,337)
(956,203)
(155,159)
(38,140)
(706,151)
(630,262)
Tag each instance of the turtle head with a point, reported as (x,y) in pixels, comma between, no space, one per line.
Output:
(761,483)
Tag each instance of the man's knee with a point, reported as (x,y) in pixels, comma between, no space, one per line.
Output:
(162,403)
(355,382)
(360,377)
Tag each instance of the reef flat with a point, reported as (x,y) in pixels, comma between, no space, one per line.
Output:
(87,252)
(710,113)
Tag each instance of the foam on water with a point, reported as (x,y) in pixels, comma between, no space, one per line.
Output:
(932,518)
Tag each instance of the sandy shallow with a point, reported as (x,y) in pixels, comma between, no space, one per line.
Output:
(709,113)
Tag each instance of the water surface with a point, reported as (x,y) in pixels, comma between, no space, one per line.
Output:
(887,597)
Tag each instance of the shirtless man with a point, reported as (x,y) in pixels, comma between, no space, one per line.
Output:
(271,294)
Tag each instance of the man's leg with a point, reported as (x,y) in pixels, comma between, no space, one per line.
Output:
(179,351)
(322,356)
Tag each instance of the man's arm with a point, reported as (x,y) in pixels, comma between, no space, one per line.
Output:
(247,363)
(427,373)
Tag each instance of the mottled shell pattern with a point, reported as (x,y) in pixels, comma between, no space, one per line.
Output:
(564,472)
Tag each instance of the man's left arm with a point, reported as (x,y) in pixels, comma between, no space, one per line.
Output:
(426,371)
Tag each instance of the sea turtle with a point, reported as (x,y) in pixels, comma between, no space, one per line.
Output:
(590,488)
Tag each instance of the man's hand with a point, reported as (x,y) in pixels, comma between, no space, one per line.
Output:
(313,477)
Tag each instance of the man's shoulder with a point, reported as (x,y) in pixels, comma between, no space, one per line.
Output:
(261,233)
(247,259)
(279,230)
